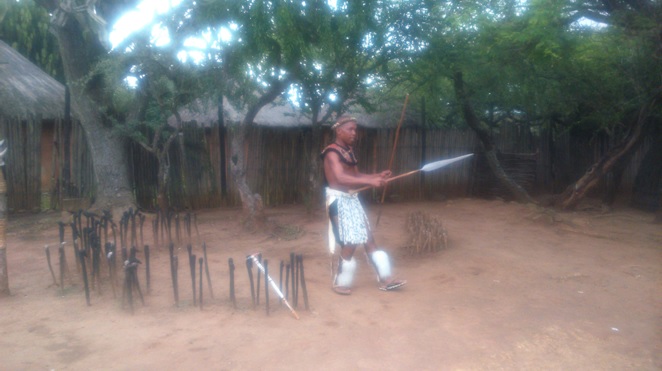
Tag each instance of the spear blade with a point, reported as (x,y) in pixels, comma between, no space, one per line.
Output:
(442,163)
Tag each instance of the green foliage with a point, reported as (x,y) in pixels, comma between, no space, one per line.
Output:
(25,28)
(532,65)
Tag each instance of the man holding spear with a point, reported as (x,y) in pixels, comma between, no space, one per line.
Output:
(348,223)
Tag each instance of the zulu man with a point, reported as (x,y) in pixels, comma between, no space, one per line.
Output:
(348,223)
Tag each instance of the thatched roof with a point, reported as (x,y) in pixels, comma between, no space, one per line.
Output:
(284,115)
(25,90)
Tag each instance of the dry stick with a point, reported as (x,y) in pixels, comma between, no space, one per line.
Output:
(200,296)
(280,281)
(74,237)
(173,272)
(390,161)
(192,263)
(303,281)
(189,249)
(257,290)
(136,283)
(287,279)
(106,218)
(176,278)
(169,225)
(62,266)
(204,252)
(61,230)
(298,273)
(110,254)
(147,272)
(96,260)
(265,263)
(232,297)
(187,226)
(114,262)
(80,226)
(249,267)
(125,254)
(133,265)
(81,256)
(127,294)
(164,227)
(134,235)
(113,227)
(50,267)
(293,269)
(142,222)
(155,232)
(273,285)
(177,228)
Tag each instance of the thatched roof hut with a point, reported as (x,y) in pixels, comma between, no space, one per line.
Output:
(25,90)
(283,114)
(32,106)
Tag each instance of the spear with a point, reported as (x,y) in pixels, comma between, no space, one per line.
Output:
(273,284)
(427,168)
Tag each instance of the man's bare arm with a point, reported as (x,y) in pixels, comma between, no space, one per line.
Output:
(340,177)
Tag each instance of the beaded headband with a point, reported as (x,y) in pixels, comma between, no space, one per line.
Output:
(342,121)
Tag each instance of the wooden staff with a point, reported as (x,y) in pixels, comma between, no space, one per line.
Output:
(81,255)
(173,271)
(200,296)
(75,237)
(280,282)
(204,253)
(192,261)
(50,266)
(303,281)
(142,222)
(293,269)
(63,264)
(147,272)
(266,284)
(257,282)
(232,296)
(390,161)
(110,260)
(249,267)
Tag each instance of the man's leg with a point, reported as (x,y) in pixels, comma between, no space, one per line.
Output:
(344,277)
(382,264)
(346,270)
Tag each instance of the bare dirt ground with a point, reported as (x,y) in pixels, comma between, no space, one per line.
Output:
(518,288)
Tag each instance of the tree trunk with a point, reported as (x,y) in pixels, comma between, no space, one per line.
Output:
(251,202)
(4,275)
(487,141)
(314,183)
(79,51)
(574,193)
(162,183)
(313,196)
